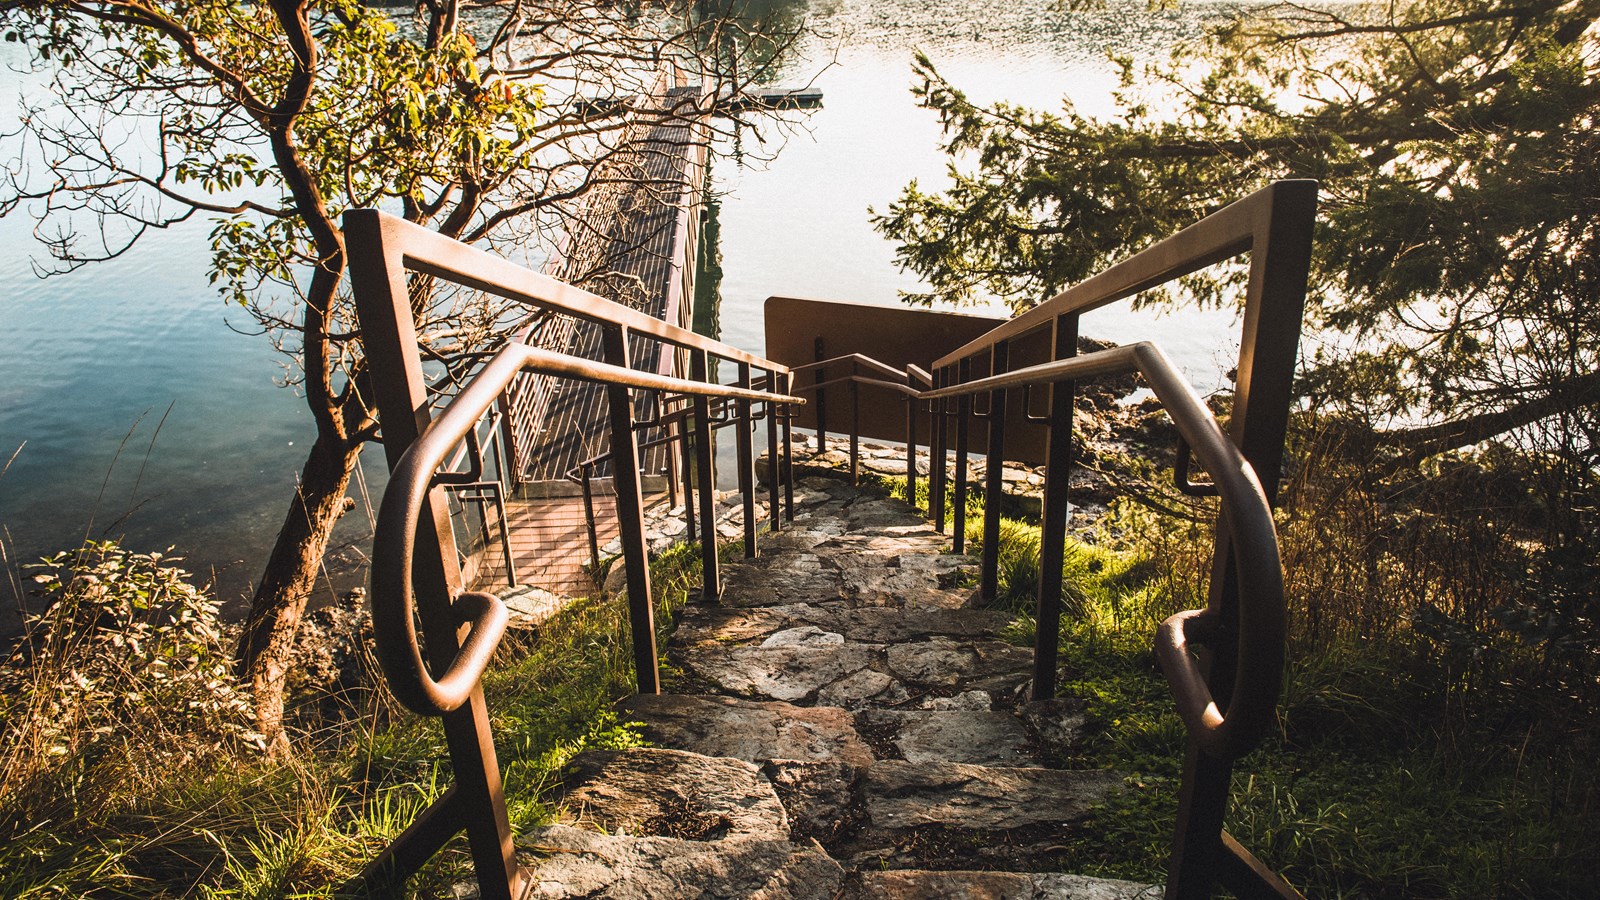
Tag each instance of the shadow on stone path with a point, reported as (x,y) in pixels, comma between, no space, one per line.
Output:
(844,726)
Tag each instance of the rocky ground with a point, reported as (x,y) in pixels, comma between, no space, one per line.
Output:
(842,724)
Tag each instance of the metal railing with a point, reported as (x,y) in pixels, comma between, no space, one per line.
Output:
(1228,702)
(1226,695)
(416,579)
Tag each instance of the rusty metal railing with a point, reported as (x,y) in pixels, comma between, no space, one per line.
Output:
(436,669)
(1226,702)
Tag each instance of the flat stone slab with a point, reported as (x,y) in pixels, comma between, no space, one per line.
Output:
(1057,724)
(776,579)
(818,796)
(985,665)
(655,792)
(585,864)
(900,795)
(959,736)
(857,675)
(924,885)
(863,625)
(748,730)
(780,673)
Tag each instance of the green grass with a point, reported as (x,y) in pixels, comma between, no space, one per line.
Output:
(1368,788)
(235,825)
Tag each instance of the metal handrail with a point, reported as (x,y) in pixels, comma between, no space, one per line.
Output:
(1226,709)
(1223,234)
(1248,519)
(393,608)
(435,254)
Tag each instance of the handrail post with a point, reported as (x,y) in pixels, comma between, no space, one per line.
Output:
(508,438)
(1280,259)
(686,463)
(855,433)
(822,398)
(937,440)
(747,463)
(788,452)
(994,478)
(774,466)
(588,515)
(383,309)
(710,578)
(1054,511)
(963,411)
(630,514)
(911,444)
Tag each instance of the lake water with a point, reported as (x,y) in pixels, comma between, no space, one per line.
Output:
(96,360)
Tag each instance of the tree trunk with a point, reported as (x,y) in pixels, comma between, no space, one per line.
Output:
(265,647)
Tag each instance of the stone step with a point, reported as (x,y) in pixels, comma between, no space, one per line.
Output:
(963,729)
(572,862)
(862,733)
(927,885)
(885,815)
(755,732)
(811,667)
(670,793)
(725,626)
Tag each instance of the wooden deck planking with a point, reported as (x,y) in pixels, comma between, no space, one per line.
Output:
(626,253)
(549,544)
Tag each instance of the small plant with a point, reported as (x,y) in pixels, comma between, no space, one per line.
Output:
(124,648)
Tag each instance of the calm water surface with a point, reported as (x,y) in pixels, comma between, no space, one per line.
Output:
(134,410)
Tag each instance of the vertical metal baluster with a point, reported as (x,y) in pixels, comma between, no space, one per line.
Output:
(938,440)
(630,515)
(911,443)
(686,461)
(963,412)
(588,515)
(855,433)
(747,463)
(788,452)
(711,580)
(1056,508)
(995,472)
(821,398)
(774,465)
(1274,307)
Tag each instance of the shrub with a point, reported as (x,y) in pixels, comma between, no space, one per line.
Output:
(121,677)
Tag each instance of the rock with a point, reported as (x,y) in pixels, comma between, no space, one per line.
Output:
(961,736)
(781,673)
(977,701)
(900,795)
(819,796)
(944,663)
(804,636)
(751,731)
(589,865)
(873,513)
(1057,724)
(863,625)
(924,885)
(860,688)
(797,578)
(530,607)
(670,793)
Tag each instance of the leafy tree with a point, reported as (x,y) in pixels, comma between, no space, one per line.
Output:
(273,116)
(1457,279)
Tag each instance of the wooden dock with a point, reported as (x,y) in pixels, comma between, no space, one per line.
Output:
(636,241)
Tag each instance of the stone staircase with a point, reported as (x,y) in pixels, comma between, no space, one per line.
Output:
(841,725)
